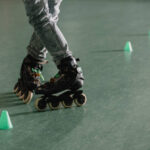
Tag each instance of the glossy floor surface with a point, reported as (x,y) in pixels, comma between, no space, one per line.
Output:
(117,84)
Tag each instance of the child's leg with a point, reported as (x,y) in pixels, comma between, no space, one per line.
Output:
(54,9)
(43,19)
(45,26)
(36,48)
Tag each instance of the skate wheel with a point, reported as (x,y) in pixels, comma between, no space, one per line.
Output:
(18,93)
(67,102)
(80,100)
(28,97)
(21,96)
(54,105)
(16,88)
(40,104)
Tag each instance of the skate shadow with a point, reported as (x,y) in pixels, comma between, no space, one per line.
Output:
(9,99)
(108,51)
(7,93)
(65,123)
(137,34)
(24,113)
(55,126)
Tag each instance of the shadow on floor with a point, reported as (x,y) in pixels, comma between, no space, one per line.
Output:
(25,113)
(7,93)
(48,110)
(55,126)
(108,51)
(137,34)
(9,99)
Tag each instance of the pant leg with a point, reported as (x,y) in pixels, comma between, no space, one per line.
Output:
(54,9)
(46,28)
(36,48)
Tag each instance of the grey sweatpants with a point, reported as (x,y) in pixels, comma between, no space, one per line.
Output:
(43,16)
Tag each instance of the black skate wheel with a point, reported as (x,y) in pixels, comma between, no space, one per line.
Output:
(67,102)
(19,92)
(21,95)
(40,104)
(80,100)
(15,90)
(16,87)
(27,99)
(54,105)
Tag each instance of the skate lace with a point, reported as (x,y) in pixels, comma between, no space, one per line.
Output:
(56,77)
(37,73)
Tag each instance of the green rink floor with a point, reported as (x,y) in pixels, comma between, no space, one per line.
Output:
(117,83)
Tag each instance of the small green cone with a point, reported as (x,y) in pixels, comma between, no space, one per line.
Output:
(5,122)
(128,47)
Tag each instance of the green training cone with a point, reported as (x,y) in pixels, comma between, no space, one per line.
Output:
(5,122)
(128,47)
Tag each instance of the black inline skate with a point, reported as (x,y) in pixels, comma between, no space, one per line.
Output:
(29,80)
(63,88)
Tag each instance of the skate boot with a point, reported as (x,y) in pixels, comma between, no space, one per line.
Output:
(30,75)
(64,88)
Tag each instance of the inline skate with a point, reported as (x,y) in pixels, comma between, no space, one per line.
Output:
(30,78)
(64,88)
